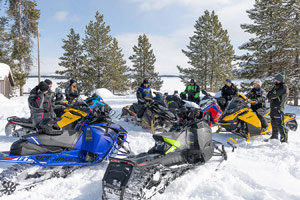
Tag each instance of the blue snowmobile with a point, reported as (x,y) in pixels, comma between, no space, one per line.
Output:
(81,137)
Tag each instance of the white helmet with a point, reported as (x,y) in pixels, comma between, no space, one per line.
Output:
(258,82)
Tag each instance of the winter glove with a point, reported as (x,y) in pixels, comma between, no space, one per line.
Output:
(253,101)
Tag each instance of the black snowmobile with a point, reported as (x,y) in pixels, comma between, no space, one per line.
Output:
(155,117)
(174,153)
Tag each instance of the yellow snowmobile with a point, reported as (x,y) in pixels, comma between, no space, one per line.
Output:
(239,119)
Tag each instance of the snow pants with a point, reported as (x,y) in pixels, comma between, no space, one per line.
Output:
(277,121)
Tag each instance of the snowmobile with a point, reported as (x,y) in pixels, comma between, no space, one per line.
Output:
(80,138)
(174,153)
(239,119)
(156,117)
(18,127)
(210,108)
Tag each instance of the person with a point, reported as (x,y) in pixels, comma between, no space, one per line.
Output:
(278,97)
(49,99)
(228,91)
(174,101)
(71,91)
(193,92)
(59,97)
(36,103)
(258,100)
(143,95)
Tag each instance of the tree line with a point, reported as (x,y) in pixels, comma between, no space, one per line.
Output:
(96,60)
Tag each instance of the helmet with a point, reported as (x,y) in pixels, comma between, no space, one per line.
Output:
(50,127)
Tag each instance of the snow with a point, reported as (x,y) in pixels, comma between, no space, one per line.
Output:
(255,170)
(4,70)
(104,93)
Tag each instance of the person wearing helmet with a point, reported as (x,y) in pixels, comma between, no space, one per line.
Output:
(192,91)
(257,99)
(174,101)
(59,97)
(278,97)
(71,91)
(49,99)
(36,102)
(143,94)
(228,91)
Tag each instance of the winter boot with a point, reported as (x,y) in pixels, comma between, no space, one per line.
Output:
(272,138)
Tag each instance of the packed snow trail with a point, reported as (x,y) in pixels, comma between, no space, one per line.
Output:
(256,170)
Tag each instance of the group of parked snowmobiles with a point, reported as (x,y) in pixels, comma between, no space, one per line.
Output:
(84,134)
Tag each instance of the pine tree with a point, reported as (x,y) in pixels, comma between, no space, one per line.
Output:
(116,77)
(96,47)
(72,59)
(291,10)
(269,47)
(5,44)
(143,64)
(25,26)
(210,53)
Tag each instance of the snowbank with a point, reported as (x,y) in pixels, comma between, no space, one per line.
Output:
(4,70)
(3,99)
(104,93)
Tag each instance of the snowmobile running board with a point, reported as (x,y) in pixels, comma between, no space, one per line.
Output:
(65,158)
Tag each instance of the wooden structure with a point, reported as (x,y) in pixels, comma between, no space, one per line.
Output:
(6,80)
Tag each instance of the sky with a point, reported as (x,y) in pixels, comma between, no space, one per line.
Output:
(167,23)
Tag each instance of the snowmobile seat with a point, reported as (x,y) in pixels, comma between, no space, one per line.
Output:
(21,121)
(67,139)
(42,143)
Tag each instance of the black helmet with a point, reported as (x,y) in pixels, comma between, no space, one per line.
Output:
(146,81)
(192,81)
(48,81)
(50,127)
(43,86)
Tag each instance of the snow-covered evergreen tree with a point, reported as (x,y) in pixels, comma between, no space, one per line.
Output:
(72,59)
(267,51)
(143,64)
(210,53)
(116,77)
(5,43)
(96,46)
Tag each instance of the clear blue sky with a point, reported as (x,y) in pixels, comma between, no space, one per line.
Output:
(167,23)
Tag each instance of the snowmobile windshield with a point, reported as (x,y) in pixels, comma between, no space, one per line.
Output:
(237,103)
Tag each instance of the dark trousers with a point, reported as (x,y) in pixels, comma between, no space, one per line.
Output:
(277,121)
(260,114)
(142,108)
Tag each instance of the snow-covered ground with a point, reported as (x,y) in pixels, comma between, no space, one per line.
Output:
(256,170)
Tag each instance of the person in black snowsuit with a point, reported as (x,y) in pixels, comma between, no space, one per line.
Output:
(143,95)
(257,99)
(36,103)
(228,92)
(174,101)
(71,91)
(49,99)
(278,97)
(193,92)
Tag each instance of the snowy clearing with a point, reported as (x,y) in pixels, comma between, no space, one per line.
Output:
(256,170)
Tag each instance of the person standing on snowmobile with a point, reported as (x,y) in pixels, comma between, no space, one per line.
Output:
(228,91)
(71,91)
(257,99)
(278,97)
(143,94)
(174,101)
(36,101)
(193,92)
(49,99)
